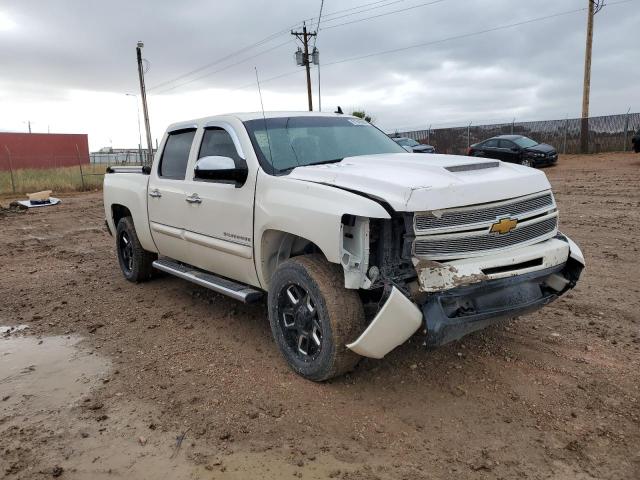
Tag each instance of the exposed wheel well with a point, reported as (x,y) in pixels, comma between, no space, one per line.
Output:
(118,212)
(278,246)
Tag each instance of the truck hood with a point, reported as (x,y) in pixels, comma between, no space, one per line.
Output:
(412,182)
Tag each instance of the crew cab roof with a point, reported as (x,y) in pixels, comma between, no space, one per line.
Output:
(246,116)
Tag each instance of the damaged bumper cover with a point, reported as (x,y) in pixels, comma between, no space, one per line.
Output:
(395,323)
(451,314)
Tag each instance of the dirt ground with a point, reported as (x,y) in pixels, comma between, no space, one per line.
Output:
(168,380)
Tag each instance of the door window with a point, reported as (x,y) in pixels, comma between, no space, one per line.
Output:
(491,143)
(175,156)
(217,142)
(507,144)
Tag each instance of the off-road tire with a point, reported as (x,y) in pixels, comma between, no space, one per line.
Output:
(339,312)
(139,268)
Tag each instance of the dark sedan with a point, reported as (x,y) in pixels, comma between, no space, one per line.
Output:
(515,149)
(415,146)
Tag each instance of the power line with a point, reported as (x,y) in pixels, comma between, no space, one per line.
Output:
(464,35)
(315,39)
(361,11)
(442,40)
(222,59)
(433,42)
(263,41)
(208,74)
(363,5)
(385,14)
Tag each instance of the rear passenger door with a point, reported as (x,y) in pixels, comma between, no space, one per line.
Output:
(166,197)
(508,151)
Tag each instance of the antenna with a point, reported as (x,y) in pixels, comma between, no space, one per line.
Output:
(264,118)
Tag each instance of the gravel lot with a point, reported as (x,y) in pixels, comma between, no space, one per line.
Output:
(109,376)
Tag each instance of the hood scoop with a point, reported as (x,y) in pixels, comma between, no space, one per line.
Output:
(472,166)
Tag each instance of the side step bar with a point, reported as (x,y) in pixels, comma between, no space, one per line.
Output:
(239,291)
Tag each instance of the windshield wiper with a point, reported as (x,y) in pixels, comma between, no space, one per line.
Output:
(324,162)
(287,170)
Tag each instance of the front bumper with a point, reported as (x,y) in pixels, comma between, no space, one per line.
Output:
(545,161)
(450,314)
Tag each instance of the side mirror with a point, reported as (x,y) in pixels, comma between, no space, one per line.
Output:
(408,148)
(220,169)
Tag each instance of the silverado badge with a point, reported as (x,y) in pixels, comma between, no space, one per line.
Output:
(504,225)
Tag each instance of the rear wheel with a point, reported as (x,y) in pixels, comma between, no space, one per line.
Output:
(135,262)
(313,317)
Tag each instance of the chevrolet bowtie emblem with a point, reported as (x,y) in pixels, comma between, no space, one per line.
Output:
(504,225)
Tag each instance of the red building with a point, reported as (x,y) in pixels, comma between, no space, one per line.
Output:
(42,150)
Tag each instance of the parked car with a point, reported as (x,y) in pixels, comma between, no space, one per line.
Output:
(515,149)
(417,147)
(635,140)
(327,218)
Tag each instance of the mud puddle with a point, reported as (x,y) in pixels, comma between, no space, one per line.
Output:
(45,373)
(49,394)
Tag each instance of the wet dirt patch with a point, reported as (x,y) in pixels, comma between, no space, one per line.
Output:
(45,373)
(551,395)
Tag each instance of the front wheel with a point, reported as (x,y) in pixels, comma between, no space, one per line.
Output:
(526,162)
(313,317)
(135,262)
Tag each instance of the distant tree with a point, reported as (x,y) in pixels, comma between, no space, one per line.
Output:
(362,114)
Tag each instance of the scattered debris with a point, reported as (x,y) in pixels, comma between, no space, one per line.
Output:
(8,330)
(37,199)
(179,440)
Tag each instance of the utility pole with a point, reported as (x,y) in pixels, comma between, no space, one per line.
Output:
(594,7)
(143,93)
(302,58)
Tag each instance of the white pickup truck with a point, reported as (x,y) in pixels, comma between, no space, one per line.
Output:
(356,243)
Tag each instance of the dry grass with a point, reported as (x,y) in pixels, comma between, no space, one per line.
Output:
(65,179)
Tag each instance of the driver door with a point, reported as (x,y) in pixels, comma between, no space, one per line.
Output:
(220,224)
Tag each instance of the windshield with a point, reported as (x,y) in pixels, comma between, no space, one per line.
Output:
(407,142)
(524,142)
(290,142)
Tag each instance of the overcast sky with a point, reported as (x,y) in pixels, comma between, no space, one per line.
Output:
(67,64)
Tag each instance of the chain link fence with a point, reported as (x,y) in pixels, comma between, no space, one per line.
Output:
(609,133)
(137,157)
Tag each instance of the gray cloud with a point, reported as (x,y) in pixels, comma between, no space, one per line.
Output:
(532,71)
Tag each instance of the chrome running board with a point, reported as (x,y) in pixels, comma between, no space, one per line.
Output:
(239,291)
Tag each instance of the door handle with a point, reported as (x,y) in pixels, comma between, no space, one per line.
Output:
(193,198)
(155,193)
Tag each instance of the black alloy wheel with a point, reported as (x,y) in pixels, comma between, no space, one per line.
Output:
(125,247)
(313,317)
(135,262)
(299,322)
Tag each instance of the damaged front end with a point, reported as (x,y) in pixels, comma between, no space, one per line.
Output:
(453,275)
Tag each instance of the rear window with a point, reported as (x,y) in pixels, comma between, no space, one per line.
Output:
(175,156)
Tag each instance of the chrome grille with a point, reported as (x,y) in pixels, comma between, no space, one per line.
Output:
(424,222)
(457,246)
